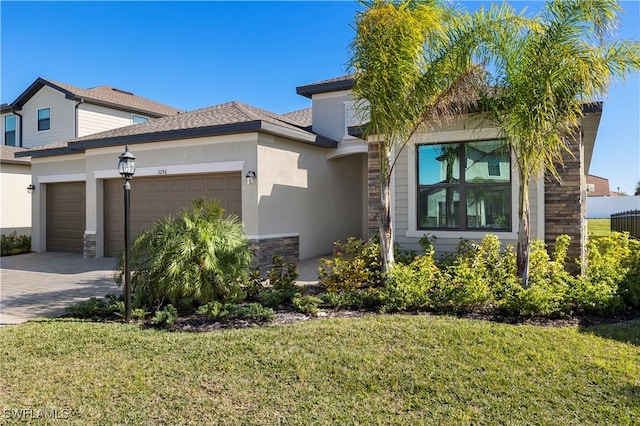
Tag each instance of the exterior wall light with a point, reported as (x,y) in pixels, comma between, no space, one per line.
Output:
(31,188)
(127,168)
(251,177)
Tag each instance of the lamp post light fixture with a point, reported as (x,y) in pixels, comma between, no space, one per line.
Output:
(251,176)
(127,168)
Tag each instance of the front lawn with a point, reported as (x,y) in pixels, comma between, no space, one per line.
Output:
(378,369)
(598,228)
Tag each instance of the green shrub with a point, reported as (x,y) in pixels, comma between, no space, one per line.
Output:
(218,311)
(355,264)
(283,276)
(369,298)
(549,283)
(14,244)
(109,307)
(200,254)
(612,275)
(251,311)
(408,287)
(166,316)
(306,304)
(214,310)
(273,298)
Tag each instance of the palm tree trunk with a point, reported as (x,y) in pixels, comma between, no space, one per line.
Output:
(522,259)
(384,222)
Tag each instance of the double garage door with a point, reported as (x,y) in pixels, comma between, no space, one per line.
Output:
(152,198)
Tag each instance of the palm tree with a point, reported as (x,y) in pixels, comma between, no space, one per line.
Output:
(542,78)
(413,69)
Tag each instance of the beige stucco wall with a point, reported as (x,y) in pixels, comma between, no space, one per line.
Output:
(301,192)
(15,201)
(329,114)
(298,191)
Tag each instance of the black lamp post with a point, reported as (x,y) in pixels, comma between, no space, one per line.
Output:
(127,168)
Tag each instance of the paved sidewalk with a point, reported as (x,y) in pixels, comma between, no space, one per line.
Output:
(41,285)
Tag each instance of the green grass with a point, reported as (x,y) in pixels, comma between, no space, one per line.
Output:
(598,228)
(392,369)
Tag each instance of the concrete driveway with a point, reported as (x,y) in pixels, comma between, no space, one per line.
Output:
(38,285)
(41,285)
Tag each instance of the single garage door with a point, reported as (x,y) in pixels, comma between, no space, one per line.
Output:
(153,198)
(65,216)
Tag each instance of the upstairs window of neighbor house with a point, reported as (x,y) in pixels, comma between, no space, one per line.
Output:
(44,119)
(464,186)
(10,130)
(136,119)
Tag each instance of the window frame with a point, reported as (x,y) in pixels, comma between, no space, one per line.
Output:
(134,116)
(404,180)
(15,131)
(39,120)
(462,187)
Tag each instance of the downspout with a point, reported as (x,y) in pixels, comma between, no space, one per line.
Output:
(75,116)
(13,111)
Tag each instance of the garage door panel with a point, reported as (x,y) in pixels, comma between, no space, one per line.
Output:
(153,198)
(66,209)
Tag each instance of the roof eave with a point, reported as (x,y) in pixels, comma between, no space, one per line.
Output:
(332,86)
(34,88)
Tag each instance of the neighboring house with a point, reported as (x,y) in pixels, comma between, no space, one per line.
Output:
(316,180)
(49,112)
(598,186)
(15,198)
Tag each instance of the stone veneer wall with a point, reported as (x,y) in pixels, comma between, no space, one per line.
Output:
(373,189)
(263,250)
(89,245)
(565,206)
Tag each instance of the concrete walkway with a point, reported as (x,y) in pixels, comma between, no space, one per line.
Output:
(41,285)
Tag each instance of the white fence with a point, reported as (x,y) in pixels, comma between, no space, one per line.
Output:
(604,207)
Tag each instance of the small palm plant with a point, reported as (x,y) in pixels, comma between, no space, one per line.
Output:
(200,255)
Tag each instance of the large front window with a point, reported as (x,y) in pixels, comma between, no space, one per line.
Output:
(464,186)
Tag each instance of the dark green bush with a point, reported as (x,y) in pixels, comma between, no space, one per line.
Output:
(109,307)
(14,244)
(168,315)
(274,298)
(200,254)
(306,304)
(218,311)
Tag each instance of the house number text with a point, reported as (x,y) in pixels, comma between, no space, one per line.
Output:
(162,171)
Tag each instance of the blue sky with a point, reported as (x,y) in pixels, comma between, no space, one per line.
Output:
(196,54)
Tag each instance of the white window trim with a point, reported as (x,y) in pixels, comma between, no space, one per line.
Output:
(38,119)
(455,136)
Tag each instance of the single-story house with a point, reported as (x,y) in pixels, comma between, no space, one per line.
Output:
(316,180)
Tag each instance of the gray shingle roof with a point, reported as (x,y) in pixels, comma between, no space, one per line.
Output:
(102,95)
(227,118)
(7,155)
